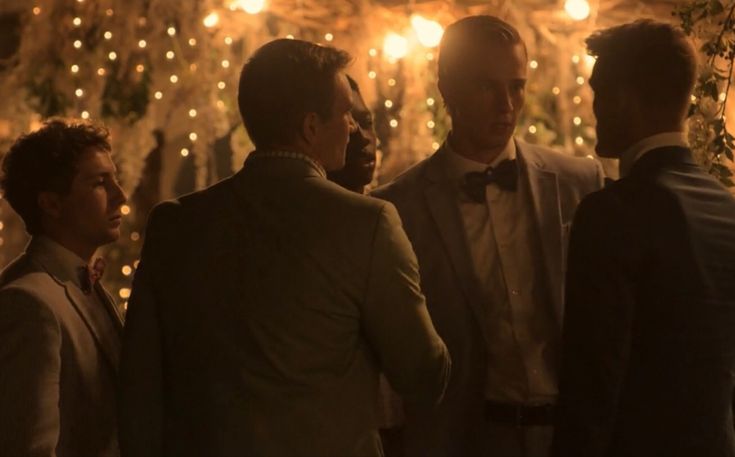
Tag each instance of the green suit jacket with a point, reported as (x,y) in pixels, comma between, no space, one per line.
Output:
(263,311)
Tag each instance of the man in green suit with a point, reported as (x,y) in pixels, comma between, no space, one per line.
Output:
(265,306)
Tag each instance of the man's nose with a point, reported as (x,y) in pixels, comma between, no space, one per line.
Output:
(505,101)
(353,125)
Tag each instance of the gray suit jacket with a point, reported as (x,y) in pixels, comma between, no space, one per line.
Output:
(427,201)
(57,364)
(262,312)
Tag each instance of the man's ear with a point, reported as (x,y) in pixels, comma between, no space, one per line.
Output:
(50,204)
(310,127)
(446,89)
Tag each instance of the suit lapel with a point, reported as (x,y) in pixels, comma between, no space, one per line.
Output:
(544,187)
(441,198)
(109,343)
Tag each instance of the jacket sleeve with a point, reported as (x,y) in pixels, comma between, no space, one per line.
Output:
(141,407)
(30,366)
(396,321)
(597,327)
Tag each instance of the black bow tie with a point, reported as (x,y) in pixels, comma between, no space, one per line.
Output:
(505,175)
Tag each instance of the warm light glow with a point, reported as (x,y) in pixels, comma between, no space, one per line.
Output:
(158,95)
(79,92)
(389,104)
(36,10)
(391,82)
(372,74)
(109,12)
(577,120)
(192,113)
(589,62)
(580,80)
(532,129)
(435,145)
(77,44)
(555,90)
(193,67)
(125,209)
(75,68)
(289,37)
(249,6)
(2,225)
(225,63)
(431,124)
(101,71)
(85,114)
(171,31)
(373,52)
(77,21)
(220,104)
(142,44)
(577,9)
(170,55)
(134,236)
(575,58)
(430,101)
(112,55)
(192,42)
(124,293)
(108,35)
(193,136)
(427,31)
(395,46)
(533,64)
(211,20)
(184,152)
(221,85)
(174,79)
(393,123)
(126,270)
(579,140)
(429,56)
(577,100)
(228,40)
(329,37)
(139,68)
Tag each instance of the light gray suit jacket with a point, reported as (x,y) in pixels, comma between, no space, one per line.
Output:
(262,312)
(57,364)
(427,201)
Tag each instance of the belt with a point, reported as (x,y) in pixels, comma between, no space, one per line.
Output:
(519,415)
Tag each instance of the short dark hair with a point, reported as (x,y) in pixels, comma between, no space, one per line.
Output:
(353,84)
(46,161)
(282,82)
(470,32)
(653,59)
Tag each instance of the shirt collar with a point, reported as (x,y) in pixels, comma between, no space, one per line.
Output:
(638,150)
(60,261)
(459,165)
(291,155)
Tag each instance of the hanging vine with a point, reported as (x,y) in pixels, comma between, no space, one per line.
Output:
(711,24)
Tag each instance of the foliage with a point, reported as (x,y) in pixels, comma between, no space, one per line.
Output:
(711,23)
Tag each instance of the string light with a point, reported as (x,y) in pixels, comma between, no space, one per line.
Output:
(589,62)
(532,129)
(249,6)
(228,40)
(555,90)
(289,37)
(184,152)
(139,68)
(124,293)
(192,42)
(77,44)
(158,95)
(373,52)
(578,10)
(393,123)
(221,85)
(429,56)
(395,46)
(170,55)
(174,79)
(431,124)
(575,58)
(193,67)
(722,96)
(101,71)
(142,44)
(577,120)
(220,104)
(579,140)
(580,80)
(391,82)
(193,136)
(85,114)
(79,93)
(192,113)
(435,145)
(171,31)
(125,210)
(75,68)
(112,55)
(108,35)
(427,31)
(77,21)
(430,101)
(388,104)
(225,63)
(36,10)
(134,236)
(328,37)
(577,100)
(126,270)
(211,20)
(372,74)
(109,12)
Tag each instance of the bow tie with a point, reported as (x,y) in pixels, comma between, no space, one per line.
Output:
(88,276)
(505,175)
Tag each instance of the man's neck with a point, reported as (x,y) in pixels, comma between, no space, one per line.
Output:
(466,149)
(82,250)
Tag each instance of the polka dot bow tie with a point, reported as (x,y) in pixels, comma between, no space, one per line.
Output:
(505,175)
(88,276)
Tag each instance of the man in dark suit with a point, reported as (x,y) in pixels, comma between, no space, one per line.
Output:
(649,339)
(488,216)
(265,307)
(59,329)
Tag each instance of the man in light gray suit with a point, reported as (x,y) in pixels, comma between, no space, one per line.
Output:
(488,217)
(59,329)
(265,307)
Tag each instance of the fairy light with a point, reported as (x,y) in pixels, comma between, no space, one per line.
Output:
(589,61)
(75,68)
(577,100)
(109,12)
(192,42)
(193,67)
(391,82)
(388,104)
(126,270)
(578,10)
(142,44)
(192,113)
(184,152)
(373,52)
(225,63)
(77,44)
(328,36)
(171,31)
(193,136)
(395,46)
(107,35)
(431,124)
(533,64)
(428,32)
(36,10)
(77,21)
(134,236)
(555,90)
(170,55)
(575,58)
(79,93)
(249,6)
(372,74)
(211,20)
(580,80)
(158,95)
(174,79)
(85,114)
(579,140)
(112,55)
(289,37)
(532,129)
(125,210)
(101,71)
(577,120)
(220,104)
(221,85)
(124,293)
(139,68)
(435,145)
(393,123)
(430,101)
(228,40)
